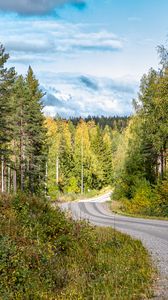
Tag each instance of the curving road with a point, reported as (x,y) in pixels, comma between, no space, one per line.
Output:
(153,233)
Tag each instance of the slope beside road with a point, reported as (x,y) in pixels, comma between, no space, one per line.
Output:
(152,233)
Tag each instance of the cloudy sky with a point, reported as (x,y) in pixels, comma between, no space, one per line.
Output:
(89,55)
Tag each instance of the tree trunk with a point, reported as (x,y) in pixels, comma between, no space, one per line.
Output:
(14,181)
(2,174)
(31,183)
(162,164)
(57,170)
(46,177)
(22,153)
(165,158)
(82,168)
(21,165)
(9,179)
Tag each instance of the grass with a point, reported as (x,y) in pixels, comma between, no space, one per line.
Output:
(45,255)
(73,196)
(118,208)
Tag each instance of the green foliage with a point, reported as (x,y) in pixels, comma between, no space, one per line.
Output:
(23,148)
(161,203)
(116,123)
(73,186)
(7,77)
(122,188)
(73,149)
(46,255)
(142,199)
(140,169)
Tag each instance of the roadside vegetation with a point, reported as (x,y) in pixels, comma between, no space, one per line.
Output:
(68,197)
(119,207)
(140,161)
(46,255)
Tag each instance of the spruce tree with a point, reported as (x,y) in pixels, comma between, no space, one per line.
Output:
(36,134)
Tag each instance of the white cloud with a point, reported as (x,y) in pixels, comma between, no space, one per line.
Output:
(83,95)
(41,37)
(33,46)
(55,46)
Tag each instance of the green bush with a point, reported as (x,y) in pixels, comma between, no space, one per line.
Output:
(145,199)
(45,255)
(121,189)
(142,198)
(161,203)
(72,186)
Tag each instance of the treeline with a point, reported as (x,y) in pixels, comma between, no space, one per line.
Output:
(22,133)
(140,167)
(80,154)
(80,157)
(116,122)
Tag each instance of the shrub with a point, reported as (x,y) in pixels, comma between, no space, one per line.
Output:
(45,255)
(142,201)
(121,189)
(161,203)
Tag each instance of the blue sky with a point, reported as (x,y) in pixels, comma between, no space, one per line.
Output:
(88,55)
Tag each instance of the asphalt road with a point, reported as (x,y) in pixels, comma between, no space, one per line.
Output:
(153,233)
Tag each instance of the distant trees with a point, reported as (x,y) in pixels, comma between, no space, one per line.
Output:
(22,133)
(80,156)
(116,122)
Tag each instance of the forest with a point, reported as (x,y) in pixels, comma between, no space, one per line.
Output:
(42,158)
(140,162)
(53,156)
(42,249)
(80,156)
(23,147)
(115,122)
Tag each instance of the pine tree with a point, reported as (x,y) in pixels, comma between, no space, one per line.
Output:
(7,77)
(20,138)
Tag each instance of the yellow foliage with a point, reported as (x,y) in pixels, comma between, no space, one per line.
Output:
(51,126)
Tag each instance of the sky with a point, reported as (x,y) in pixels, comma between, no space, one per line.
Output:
(89,55)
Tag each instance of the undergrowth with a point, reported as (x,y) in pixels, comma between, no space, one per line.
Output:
(142,199)
(68,197)
(45,255)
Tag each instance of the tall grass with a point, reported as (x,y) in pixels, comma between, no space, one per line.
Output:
(45,255)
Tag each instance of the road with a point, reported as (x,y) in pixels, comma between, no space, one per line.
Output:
(152,233)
